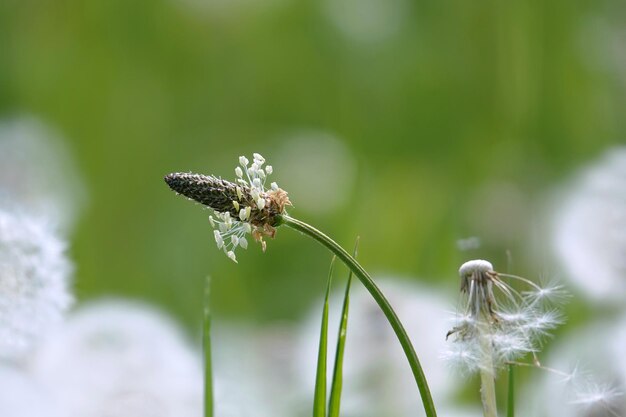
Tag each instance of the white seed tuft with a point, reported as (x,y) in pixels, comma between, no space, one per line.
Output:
(34,280)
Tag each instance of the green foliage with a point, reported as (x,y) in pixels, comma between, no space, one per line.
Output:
(319,401)
(335,390)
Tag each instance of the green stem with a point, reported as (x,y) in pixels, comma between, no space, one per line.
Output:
(378,296)
(510,405)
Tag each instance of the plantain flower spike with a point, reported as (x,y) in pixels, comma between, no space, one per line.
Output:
(241,208)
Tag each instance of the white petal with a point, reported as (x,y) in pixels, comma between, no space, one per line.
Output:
(258,159)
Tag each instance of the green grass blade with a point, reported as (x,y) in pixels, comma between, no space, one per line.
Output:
(510,403)
(381,300)
(319,401)
(206,347)
(337,383)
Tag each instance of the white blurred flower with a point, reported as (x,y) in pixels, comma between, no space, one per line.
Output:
(253,371)
(21,396)
(377,377)
(589,233)
(121,359)
(34,280)
(38,173)
(587,377)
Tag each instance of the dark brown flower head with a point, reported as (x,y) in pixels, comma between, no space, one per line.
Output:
(242,207)
(225,196)
(213,192)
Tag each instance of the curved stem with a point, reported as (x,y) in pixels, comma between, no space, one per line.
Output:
(378,296)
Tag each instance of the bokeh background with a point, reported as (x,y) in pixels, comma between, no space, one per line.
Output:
(436,131)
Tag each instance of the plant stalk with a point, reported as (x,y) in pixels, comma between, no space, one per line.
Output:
(510,404)
(487,378)
(378,296)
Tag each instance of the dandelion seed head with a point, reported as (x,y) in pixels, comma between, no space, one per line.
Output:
(497,321)
(551,292)
(241,208)
(510,345)
(473,266)
(34,282)
(462,357)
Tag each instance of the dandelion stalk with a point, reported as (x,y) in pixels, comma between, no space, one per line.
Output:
(248,207)
(487,379)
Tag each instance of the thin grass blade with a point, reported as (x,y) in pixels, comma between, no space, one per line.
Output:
(334,403)
(319,401)
(381,300)
(510,402)
(206,347)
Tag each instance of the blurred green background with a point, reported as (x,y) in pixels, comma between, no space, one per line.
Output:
(411,124)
